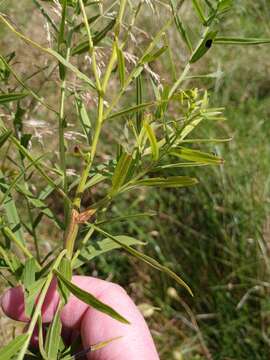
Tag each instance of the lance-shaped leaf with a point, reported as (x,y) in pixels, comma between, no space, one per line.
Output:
(90,299)
(95,249)
(152,139)
(31,295)
(121,64)
(71,67)
(11,211)
(204,45)
(97,37)
(84,118)
(147,259)
(8,351)
(179,24)
(240,41)
(89,20)
(196,156)
(197,6)
(51,52)
(130,110)
(121,172)
(53,337)
(6,98)
(29,273)
(65,270)
(148,58)
(169,182)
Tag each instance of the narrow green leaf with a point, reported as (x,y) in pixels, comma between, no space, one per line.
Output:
(148,58)
(90,21)
(240,41)
(152,139)
(224,5)
(139,101)
(84,118)
(179,24)
(31,294)
(41,338)
(197,6)
(53,337)
(178,165)
(83,46)
(188,128)
(66,271)
(12,348)
(37,165)
(29,272)
(212,140)
(98,248)
(90,299)
(29,91)
(46,15)
(71,67)
(130,110)
(4,137)
(5,98)
(147,259)
(196,156)
(61,39)
(173,181)
(121,64)
(121,172)
(203,47)
(11,211)
(39,204)
(12,237)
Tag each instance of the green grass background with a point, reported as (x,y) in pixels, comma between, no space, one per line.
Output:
(217,235)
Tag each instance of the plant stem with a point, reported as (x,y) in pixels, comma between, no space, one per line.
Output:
(91,46)
(38,306)
(35,316)
(73,226)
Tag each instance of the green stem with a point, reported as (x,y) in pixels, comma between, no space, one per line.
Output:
(13,238)
(38,306)
(73,226)
(62,150)
(91,46)
(34,319)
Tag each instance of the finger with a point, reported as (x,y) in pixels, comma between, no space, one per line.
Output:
(135,341)
(12,303)
(96,327)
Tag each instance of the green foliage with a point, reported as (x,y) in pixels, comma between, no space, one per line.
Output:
(156,117)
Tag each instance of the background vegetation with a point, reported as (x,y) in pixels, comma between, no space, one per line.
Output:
(217,234)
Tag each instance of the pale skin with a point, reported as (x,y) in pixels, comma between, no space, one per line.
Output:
(135,342)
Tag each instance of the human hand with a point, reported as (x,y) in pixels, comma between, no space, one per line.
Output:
(135,341)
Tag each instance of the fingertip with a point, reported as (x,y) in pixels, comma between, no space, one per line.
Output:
(12,303)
